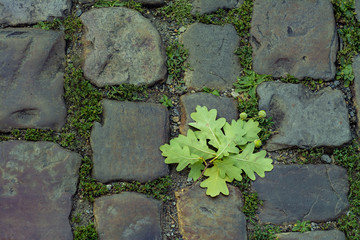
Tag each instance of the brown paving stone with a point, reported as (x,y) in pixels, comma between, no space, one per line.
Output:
(126,145)
(203,217)
(37,181)
(226,107)
(127,216)
(31,74)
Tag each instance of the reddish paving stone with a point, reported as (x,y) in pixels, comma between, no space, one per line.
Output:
(37,181)
(204,217)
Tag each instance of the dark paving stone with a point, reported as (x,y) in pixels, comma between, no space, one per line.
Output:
(126,145)
(212,57)
(125,49)
(294,37)
(127,216)
(303,118)
(356,89)
(302,192)
(37,181)
(209,6)
(151,2)
(31,72)
(226,107)
(315,235)
(357,9)
(14,12)
(203,217)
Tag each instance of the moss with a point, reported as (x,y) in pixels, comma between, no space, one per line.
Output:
(86,233)
(117,3)
(178,11)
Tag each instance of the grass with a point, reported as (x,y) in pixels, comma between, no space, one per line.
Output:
(176,61)
(86,232)
(178,11)
(117,3)
(349,158)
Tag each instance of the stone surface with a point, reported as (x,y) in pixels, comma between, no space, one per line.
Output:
(125,49)
(212,57)
(356,89)
(151,2)
(203,217)
(126,145)
(318,235)
(302,192)
(208,6)
(303,118)
(294,37)
(14,12)
(357,9)
(226,107)
(31,73)
(127,216)
(37,181)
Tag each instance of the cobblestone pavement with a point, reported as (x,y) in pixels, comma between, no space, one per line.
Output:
(60,173)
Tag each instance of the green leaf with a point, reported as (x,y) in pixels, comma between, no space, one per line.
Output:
(215,184)
(176,154)
(226,145)
(198,147)
(227,167)
(251,162)
(207,123)
(195,170)
(236,131)
(252,129)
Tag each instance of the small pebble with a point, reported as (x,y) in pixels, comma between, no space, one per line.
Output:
(176,119)
(326,158)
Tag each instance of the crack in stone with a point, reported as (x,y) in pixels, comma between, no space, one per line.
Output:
(311,208)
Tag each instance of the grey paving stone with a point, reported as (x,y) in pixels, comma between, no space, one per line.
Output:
(127,216)
(126,145)
(212,57)
(294,37)
(203,217)
(209,6)
(356,89)
(125,49)
(37,181)
(302,192)
(15,12)
(357,9)
(226,107)
(318,235)
(303,118)
(31,72)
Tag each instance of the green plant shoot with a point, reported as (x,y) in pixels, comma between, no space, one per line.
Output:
(218,150)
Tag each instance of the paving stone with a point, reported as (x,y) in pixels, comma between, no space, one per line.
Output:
(32,72)
(356,89)
(151,2)
(318,235)
(209,6)
(126,145)
(226,107)
(127,216)
(303,118)
(212,57)
(37,181)
(357,9)
(302,192)
(15,12)
(203,217)
(294,37)
(125,49)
